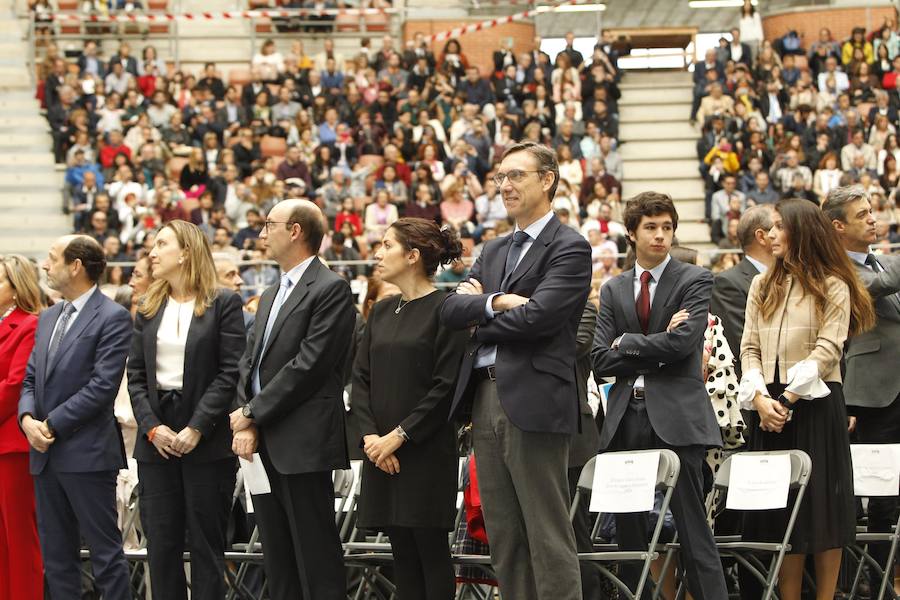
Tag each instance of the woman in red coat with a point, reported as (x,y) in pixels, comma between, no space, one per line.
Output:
(21,571)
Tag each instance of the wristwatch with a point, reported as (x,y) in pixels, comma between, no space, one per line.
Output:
(247,411)
(782,400)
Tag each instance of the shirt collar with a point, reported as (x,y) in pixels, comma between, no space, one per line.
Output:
(762,268)
(535,229)
(656,272)
(858,257)
(82,300)
(297,272)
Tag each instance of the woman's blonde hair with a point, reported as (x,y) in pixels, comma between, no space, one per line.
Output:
(198,272)
(23,277)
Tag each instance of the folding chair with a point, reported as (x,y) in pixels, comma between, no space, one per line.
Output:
(666,479)
(860,549)
(744,550)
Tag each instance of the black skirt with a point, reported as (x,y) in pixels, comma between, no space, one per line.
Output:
(827,516)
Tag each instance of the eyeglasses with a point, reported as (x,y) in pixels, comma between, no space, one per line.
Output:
(515,176)
(268,224)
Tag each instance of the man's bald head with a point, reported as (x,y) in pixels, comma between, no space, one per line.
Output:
(307,215)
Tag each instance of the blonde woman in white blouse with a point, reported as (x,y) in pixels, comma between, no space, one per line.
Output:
(799,313)
(182,372)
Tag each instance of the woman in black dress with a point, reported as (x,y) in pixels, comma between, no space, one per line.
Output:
(403,382)
(799,313)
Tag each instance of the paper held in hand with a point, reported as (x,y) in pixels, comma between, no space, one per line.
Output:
(255,478)
(624,482)
(876,469)
(758,482)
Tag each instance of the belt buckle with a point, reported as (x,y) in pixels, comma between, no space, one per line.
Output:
(492,373)
(637,393)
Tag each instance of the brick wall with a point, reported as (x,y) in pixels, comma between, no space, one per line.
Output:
(839,20)
(478,47)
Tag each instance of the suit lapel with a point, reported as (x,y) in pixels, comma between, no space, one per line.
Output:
(626,298)
(151,329)
(495,268)
(538,247)
(663,290)
(88,314)
(42,338)
(262,316)
(8,324)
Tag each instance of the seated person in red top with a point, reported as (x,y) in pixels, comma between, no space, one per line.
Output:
(348,215)
(889,81)
(392,157)
(113,147)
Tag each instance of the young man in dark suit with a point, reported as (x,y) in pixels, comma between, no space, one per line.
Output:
(650,338)
(525,298)
(290,406)
(66,413)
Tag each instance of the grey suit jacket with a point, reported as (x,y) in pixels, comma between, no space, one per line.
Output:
(585,443)
(676,398)
(729,302)
(872,358)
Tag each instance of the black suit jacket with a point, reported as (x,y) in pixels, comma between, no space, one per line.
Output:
(300,409)
(677,402)
(215,344)
(729,302)
(536,342)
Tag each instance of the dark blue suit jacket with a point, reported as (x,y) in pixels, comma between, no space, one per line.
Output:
(536,342)
(677,402)
(77,391)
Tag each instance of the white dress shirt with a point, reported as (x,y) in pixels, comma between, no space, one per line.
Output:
(171,338)
(79,304)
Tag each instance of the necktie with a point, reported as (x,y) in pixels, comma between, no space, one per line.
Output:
(873,264)
(643,302)
(515,251)
(283,291)
(60,332)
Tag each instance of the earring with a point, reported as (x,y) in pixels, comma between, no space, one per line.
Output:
(180,261)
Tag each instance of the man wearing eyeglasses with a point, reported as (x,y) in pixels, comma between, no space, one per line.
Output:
(524,299)
(290,407)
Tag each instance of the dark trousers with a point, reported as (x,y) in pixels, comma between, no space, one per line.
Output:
(591,576)
(72,505)
(178,498)
(880,426)
(422,566)
(699,556)
(522,477)
(302,551)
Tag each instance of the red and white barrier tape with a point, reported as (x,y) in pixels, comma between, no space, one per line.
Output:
(491,23)
(132,17)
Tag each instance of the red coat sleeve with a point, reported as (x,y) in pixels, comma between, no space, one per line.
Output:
(11,384)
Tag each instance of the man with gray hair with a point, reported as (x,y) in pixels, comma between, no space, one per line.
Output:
(871,385)
(730,289)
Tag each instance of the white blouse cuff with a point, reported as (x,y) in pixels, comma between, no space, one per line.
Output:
(751,382)
(804,380)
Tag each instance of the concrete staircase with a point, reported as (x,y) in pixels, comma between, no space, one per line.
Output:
(31,215)
(659,152)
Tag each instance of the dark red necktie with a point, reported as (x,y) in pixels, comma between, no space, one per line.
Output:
(643,302)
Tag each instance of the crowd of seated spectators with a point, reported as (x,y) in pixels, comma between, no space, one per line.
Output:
(387,132)
(780,120)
